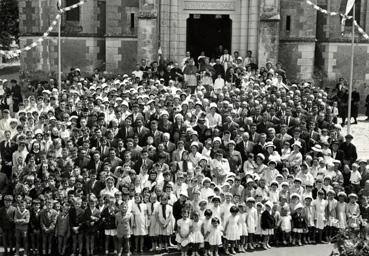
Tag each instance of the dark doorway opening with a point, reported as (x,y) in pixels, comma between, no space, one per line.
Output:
(205,32)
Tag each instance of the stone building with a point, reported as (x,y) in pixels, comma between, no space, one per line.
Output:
(114,35)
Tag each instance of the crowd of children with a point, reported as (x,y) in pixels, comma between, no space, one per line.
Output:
(115,222)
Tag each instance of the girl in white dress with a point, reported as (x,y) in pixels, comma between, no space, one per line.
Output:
(231,232)
(140,222)
(320,205)
(251,219)
(152,209)
(242,228)
(215,236)
(285,225)
(258,230)
(165,220)
(341,210)
(196,237)
(205,229)
(184,227)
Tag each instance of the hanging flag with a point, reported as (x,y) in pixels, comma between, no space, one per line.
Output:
(349,5)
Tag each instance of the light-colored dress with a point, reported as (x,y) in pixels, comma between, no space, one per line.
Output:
(258,229)
(252,216)
(286,225)
(341,215)
(140,219)
(154,227)
(184,231)
(242,227)
(231,232)
(215,236)
(207,228)
(165,222)
(332,214)
(320,206)
(196,236)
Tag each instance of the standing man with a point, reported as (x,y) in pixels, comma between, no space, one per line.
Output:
(355,105)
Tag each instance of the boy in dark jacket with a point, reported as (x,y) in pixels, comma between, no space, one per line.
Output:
(7,213)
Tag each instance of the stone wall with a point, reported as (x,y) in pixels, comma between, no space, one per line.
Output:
(297,58)
(121,54)
(86,53)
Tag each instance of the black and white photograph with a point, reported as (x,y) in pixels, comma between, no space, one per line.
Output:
(184,127)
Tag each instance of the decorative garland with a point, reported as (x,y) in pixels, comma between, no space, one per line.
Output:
(319,9)
(14,53)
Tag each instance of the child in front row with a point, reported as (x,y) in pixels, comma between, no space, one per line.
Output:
(231,232)
(21,220)
(196,236)
(205,229)
(215,236)
(62,229)
(184,228)
(123,221)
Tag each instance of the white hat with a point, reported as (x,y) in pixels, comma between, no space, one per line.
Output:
(298,206)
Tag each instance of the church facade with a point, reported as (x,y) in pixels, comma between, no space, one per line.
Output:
(115,35)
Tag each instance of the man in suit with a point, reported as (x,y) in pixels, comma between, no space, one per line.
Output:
(83,159)
(245,146)
(169,146)
(349,149)
(136,114)
(7,148)
(155,133)
(283,135)
(254,136)
(310,136)
(93,185)
(142,132)
(4,184)
(144,162)
(96,164)
(113,160)
(126,130)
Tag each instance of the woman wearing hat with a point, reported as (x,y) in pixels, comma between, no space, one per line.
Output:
(295,158)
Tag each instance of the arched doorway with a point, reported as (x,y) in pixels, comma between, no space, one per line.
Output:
(205,32)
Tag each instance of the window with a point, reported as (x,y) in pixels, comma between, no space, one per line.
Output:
(74,14)
(288,23)
(132,20)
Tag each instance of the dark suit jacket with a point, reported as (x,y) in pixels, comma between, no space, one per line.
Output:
(340,155)
(94,188)
(142,135)
(350,152)
(7,151)
(4,184)
(83,163)
(149,164)
(92,166)
(169,146)
(123,134)
(240,147)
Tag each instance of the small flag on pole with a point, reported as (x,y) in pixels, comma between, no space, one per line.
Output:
(349,5)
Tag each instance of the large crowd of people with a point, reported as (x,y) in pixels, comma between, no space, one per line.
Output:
(200,155)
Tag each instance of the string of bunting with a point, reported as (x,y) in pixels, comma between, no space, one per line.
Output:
(319,9)
(14,53)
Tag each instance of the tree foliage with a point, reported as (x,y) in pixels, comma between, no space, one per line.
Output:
(9,23)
